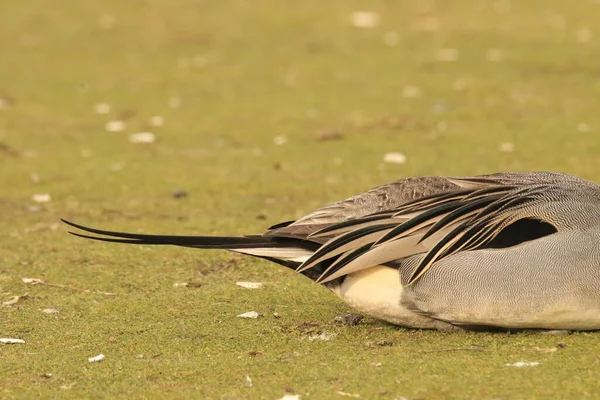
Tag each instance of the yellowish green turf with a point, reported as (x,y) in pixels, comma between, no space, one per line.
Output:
(449,84)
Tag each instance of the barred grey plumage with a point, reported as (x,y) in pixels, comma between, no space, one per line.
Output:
(509,250)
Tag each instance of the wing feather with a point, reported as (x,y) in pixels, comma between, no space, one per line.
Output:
(437,226)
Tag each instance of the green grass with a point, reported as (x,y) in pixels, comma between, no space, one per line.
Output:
(245,72)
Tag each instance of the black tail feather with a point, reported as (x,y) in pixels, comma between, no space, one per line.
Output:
(205,242)
(233,243)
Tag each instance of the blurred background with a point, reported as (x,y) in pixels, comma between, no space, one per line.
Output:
(298,101)
(225,117)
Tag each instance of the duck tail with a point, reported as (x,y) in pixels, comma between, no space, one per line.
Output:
(289,252)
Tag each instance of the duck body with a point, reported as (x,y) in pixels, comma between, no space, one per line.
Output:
(516,250)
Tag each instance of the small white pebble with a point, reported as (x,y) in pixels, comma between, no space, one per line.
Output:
(181,284)
(495,55)
(249,381)
(142,137)
(98,358)
(355,395)
(157,120)
(114,126)
(507,147)
(520,364)
(32,281)
(325,336)
(279,140)
(583,127)
(583,35)
(394,158)
(446,55)
(11,341)
(250,285)
(250,314)
(50,311)
(411,92)
(290,397)
(102,108)
(365,19)
(174,102)
(391,39)
(41,197)
(12,301)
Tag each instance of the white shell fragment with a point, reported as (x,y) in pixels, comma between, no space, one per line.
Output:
(279,140)
(394,158)
(521,364)
(365,19)
(192,285)
(98,358)
(102,108)
(250,314)
(157,120)
(250,285)
(11,341)
(355,395)
(32,281)
(41,197)
(114,126)
(249,381)
(583,127)
(142,137)
(15,300)
(290,397)
(507,147)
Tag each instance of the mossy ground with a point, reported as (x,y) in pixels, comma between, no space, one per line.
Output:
(228,77)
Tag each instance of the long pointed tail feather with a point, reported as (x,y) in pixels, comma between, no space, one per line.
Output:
(209,242)
(282,250)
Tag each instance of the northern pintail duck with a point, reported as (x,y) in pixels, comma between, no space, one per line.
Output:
(509,250)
